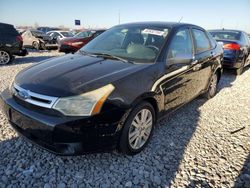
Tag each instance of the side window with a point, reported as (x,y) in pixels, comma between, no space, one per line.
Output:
(212,40)
(245,38)
(181,45)
(55,35)
(97,33)
(201,41)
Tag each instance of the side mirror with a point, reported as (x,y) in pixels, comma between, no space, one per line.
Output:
(179,59)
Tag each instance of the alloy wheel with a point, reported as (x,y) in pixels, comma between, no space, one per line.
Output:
(140,129)
(213,85)
(4,57)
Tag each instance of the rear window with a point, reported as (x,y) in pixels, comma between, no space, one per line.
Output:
(8,30)
(226,35)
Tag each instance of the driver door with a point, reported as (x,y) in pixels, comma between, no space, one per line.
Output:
(179,87)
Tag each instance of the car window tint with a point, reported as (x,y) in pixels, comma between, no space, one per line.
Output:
(201,40)
(226,35)
(83,34)
(8,30)
(55,34)
(245,39)
(181,45)
(212,40)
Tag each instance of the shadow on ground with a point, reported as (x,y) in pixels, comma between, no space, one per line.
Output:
(243,180)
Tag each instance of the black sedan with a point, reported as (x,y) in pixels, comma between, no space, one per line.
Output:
(236,45)
(111,93)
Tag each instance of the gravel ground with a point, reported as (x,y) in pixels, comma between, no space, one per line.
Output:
(204,144)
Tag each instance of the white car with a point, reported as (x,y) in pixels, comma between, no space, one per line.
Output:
(60,34)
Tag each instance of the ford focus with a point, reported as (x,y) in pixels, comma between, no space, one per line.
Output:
(111,93)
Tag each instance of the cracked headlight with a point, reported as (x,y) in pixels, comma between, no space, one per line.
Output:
(86,104)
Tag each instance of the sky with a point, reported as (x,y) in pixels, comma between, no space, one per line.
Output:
(210,14)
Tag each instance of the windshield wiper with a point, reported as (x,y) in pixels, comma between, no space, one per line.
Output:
(109,56)
(86,53)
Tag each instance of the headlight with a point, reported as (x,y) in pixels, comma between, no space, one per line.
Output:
(86,104)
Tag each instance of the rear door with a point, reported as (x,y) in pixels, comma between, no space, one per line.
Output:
(204,58)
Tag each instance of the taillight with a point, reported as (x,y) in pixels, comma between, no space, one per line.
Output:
(20,38)
(231,46)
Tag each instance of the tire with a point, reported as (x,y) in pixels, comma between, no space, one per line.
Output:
(42,46)
(36,45)
(212,88)
(239,71)
(134,138)
(5,57)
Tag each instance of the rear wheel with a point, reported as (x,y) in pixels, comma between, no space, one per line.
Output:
(5,57)
(239,71)
(36,45)
(42,46)
(138,129)
(212,89)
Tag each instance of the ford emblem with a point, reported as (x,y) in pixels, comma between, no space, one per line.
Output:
(23,94)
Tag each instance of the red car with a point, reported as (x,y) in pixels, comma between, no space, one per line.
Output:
(72,44)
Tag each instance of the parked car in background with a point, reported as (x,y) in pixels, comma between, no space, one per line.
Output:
(20,31)
(11,43)
(236,45)
(72,44)
(111,93)
(38,40)
(47,29)
(59,35)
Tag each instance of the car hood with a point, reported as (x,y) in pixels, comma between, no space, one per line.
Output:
(73,74)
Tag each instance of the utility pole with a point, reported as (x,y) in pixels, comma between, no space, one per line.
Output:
(181,19)
(221,23)
(119,17)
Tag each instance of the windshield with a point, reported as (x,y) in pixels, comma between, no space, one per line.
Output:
(83,34)
(67,34)
(226,35)
(140,43)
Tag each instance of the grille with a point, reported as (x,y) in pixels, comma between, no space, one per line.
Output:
(34,98)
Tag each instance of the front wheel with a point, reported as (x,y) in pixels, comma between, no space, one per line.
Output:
(212,89)
(137,129)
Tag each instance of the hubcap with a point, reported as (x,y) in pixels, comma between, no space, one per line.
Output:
(140,128)
(213,85)
(4,57)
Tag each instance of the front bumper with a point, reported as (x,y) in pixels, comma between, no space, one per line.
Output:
(60,134)
(49,45)
(67,48)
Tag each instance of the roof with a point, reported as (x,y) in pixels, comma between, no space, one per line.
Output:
(230,30)
(159,24)
(6,24)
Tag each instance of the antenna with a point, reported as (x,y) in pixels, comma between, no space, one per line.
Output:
(180,19)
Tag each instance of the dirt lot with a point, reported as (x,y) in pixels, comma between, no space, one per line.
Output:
(204,144)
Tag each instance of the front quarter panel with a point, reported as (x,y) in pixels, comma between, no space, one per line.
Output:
(136,87)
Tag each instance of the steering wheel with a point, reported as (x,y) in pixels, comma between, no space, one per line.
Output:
(156,49)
